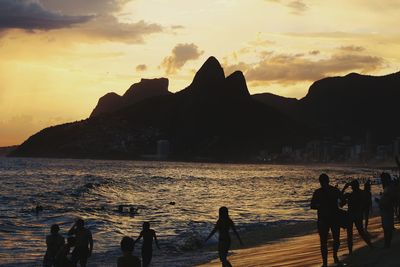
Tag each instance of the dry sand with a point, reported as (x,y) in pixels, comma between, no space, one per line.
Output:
(305,251)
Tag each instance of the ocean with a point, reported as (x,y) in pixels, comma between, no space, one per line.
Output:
(180,200)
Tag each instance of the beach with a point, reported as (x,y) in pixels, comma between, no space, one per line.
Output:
(304,251)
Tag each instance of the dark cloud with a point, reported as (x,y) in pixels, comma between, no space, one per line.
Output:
(30,15)
(352,48)
(285,69)
(141,67)
(84,7)
(181,53)
(94,19)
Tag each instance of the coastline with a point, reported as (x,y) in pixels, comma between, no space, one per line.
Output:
(303,250)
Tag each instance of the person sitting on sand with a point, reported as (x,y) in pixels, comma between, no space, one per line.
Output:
(325,200)
(386,207)
(127,259)
(367,203)
(83,243)
(54,242)
(147,245)
(223,225)
(355,202)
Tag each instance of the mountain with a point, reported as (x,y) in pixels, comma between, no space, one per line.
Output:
(146,88)
(4,151)
(213,118)
(351,105)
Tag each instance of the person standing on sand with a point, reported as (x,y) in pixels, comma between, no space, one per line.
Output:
(54,242)
(223,225)
(386,207)
(367,203)
(83,243)
(355,202)
(147,246)
(325,200)
(127,259)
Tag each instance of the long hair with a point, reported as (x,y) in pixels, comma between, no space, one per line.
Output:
(223,213)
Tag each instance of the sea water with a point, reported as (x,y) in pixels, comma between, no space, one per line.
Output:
(180,200)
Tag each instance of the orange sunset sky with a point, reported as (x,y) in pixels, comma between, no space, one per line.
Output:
(57,57)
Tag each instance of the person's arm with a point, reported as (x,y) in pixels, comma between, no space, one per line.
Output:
(155,239)
(342,196)
(139,237)
(314,201)
(72,230)
(90,243)
(211,234)
(237,234)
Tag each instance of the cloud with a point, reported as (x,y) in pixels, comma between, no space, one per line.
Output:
(141,67)
(314,52)
(107,27)
(286,69)
(181,53)
(352,48)
(86,20)
(297,7)
(79,7)
(30,15)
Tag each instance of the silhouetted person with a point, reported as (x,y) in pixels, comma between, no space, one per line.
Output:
(223,225)
(147,245)
(62,259)
(386,207)
(54,242)
(367,203)
(83,243)
(127,259)
(356,203)
(325,200)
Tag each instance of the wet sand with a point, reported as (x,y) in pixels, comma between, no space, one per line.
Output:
(305,251)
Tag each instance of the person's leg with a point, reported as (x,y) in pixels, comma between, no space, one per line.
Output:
(323,230)
(366,215)
(335,228)
(146,257)
(349,231)
(387,225)
(361,232)
(223,249)
(74,257)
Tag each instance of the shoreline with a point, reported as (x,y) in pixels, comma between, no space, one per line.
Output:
(303,250)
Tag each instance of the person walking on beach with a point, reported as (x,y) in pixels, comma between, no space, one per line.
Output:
(367,203)
(325,200)
(386,207)
(223,225)
(355,202)
(127,259)
(147,245)
(83,243)
(54,242)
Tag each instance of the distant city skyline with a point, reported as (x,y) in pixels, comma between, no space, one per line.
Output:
(59,57)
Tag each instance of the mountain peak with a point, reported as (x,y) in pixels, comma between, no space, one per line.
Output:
(236,84)
(211,74)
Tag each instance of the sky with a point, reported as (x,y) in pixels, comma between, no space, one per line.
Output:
(58,57)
